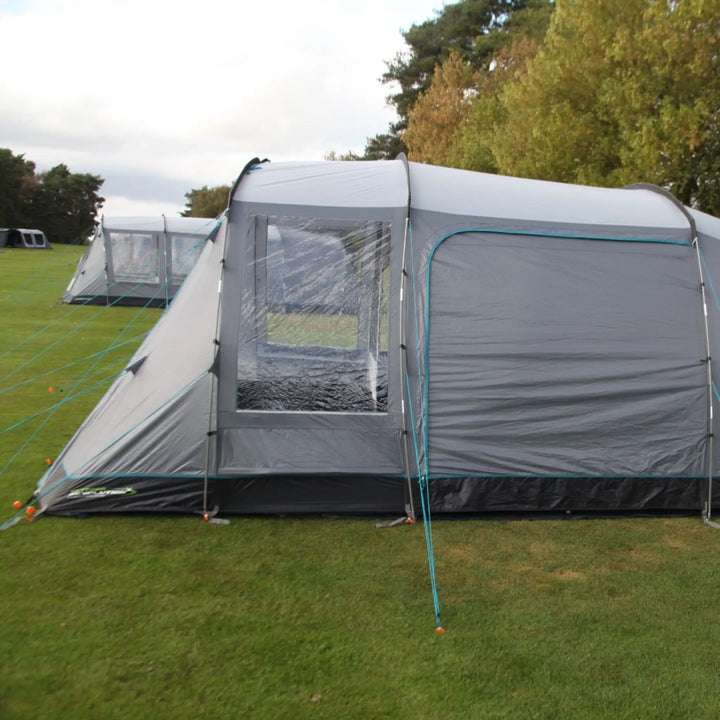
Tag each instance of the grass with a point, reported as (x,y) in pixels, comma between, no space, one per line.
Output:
(324,329)
(157,617)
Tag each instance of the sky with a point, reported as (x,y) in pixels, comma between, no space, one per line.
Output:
(162,96)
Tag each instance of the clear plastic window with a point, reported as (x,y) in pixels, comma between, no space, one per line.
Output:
(135,257)
(185,250)
(314,337)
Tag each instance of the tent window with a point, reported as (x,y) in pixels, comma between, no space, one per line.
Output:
(135,257)
(185,250)
(314,336)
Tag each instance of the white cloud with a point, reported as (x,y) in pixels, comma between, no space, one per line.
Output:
(190,91)
(119,206)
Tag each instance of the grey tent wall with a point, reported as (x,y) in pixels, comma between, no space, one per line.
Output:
(605,488)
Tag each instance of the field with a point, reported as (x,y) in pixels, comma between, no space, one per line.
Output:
(158,617)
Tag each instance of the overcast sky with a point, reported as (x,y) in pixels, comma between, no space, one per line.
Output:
(162,96)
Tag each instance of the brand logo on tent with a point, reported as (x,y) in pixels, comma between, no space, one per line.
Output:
(101,492)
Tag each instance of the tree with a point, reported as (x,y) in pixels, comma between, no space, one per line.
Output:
(699,184)
(474,31)
(559,124)
(61,203)
(384,146)
(473,142)
(668,102)
(64,204)
(206,202)
(440,111)
(469,29)
(472,145)
(621,91)
(17,180)
(332,156)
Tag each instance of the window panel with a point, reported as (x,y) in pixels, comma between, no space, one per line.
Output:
(135,257)
(314,335)
(185,250)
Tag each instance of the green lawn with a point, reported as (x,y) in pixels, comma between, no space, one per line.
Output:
(159,617)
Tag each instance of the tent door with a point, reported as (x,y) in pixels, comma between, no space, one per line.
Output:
(311,391)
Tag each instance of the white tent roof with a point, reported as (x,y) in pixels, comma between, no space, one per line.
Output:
(330,184)
(158,223)
(462,192)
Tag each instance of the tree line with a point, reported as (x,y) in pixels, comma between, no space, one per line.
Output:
(60,203)
(600,92)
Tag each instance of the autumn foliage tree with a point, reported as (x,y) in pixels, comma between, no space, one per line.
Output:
(452,122)
(206,202)
(440,112)
(616,92)
(668,100)
(621,91)
(472,30)
(560,122)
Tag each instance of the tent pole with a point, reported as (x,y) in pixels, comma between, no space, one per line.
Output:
(707,510)
(214,370)
(403,373)
(208,438)
(165,259)
(106,248)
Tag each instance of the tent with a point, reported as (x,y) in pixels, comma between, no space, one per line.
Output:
(30,239)
(138,261)
(505,345)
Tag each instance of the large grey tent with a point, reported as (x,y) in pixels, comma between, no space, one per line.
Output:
(508,345)
(138,260)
